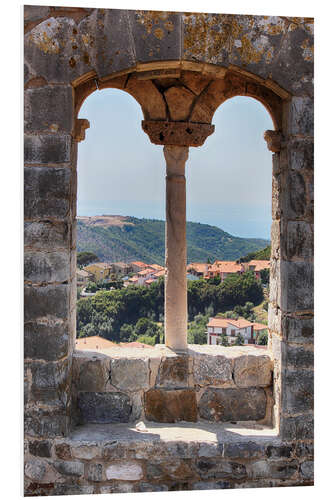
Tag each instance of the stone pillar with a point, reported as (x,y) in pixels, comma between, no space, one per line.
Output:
(175,302)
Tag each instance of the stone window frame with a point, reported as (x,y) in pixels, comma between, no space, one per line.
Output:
(50,212)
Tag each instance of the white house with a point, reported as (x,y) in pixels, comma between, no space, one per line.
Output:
(217,327)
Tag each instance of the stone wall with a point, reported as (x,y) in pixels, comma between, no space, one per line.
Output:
(69,53)
(206,383)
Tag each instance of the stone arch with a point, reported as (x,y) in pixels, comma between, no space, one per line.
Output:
(66,51)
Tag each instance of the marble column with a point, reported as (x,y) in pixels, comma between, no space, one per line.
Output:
(175,310)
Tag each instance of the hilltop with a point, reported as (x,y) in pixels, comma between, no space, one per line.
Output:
(119,238)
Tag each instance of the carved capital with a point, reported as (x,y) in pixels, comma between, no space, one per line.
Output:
(177,133)
(175,154)
(80,129)
(273,139)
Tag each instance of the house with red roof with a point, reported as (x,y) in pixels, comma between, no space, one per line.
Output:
(218,327)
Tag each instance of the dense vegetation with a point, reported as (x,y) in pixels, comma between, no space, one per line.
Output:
(263,254)
(84,258)
(143,239)
(136,312)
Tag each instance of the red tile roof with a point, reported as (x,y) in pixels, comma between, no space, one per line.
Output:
(259,264)
(139,263)
(225,322)
(259,326)
(92,343)
(227,266)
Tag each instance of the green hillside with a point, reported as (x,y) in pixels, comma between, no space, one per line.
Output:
(116,238)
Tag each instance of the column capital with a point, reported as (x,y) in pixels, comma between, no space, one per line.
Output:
(175,156)
(273,139)
(170,133)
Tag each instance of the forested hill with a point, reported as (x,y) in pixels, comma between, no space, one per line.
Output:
(117,238)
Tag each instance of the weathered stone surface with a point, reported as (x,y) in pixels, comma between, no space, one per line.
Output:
(298,357)
(40,448)
(305,449)
(35,469)
(157,35)
(243,450)
(307,469)
(108,32)
(297,428)
(273,469)
(211,485)
(43,301)
(84,451)
(46,192)
(46,235)
(212,370)
(301,116)
(299,241)
(171,405)
(179,101)
(47,378)
(220,469)
(298,391)
(73,489)
(279,451)
(63,451)
(44,109)
(297,286)
(196,82)
(177,133)
(99,408)
(125,471)
(46,340)
(42,267)
(252,371)
(300,154)
(120,487)
(173,372)
(147,487)
(150,99)
(45,423)
(69,468)
(51,148)
(92,375)
(130,374)
(210,449)
(223,405)
(298,329)
(95,472)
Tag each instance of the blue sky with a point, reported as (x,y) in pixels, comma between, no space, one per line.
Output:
(228,178)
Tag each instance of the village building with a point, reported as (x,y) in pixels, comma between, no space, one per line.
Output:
(218,327)
(256,266)
(99,270)
(82,277)
(137,266)
(120,268)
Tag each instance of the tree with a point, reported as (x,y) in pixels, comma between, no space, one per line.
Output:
(264,276)
(224,340)
(263,338)
(239,340)
(85,258)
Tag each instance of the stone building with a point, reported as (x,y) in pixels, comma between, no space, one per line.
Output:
(180,67)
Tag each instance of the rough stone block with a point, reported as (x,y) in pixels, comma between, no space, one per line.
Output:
(40,448)
(299,241)
(171,405)
(46,340)
(50,380)
(49,108)
(69,468)
(297,428)
(42,267)
(173,372)
(243,450)
(298,330)
(209,468)
(212,370)
(45,423)
(273,469)
(63,451)
(301,116)
(150,488)
(130,374)
(44,149)
(95,472)
(298,357)
(124,471)
(84,451)
(294,196)
(47,192)
(46,235)
(49,300)
(223,405)
(253,371)
(210,449)
(298,391)
(92,375)
(307,469)
(35,13)
(157,35)
(211,485)
(297,286)
(305,450)
(114,39)
(279,451)
(35,469)
(103,408)
(73,489)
